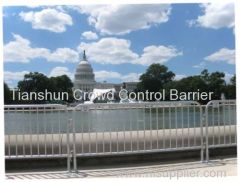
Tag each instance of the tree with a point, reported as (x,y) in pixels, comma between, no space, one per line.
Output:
(34,82)
(188,84)
(230,90)
(233,80)
(38,82)
(215,83)
(62,84)
(155,78)
(7,94)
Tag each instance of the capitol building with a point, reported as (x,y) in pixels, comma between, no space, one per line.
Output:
(84,79)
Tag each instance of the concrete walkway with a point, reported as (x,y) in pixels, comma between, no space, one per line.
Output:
(215,168)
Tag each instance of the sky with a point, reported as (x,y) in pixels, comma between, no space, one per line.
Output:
(121,41)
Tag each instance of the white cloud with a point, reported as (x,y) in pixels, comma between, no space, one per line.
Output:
(157,54)
(59,71)
(117,51)
(122,19)
(104,75)
(200,65)
(63,55)
(89,35)
(48,19)
(131,77)
(20,50)
(10,77)
(105,51)
(216,15)
(222,55)
(109,51)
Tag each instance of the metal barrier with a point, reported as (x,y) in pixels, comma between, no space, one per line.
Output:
(108,129)
(55,131)
(38,131)
(220,122)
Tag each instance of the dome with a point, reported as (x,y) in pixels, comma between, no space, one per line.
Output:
(84,76)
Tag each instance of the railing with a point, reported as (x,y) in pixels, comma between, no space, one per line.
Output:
(38,131)
(137,128)
(55,131)
(221,129)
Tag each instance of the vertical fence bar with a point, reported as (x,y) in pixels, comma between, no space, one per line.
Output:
(150,127)
(52,140)
(45,132)
(182,127)
(157,127)
(229,123)
(224,124)
(103,121)
(137,128)
(68,147)
(89,131)
(176,127)
(144,130)
(96,134)
(9,138)
(124,134)
(16,138)
(206,126)
(131,128)
(170,127)
(188,117)
(59,133)
(163,128)
(74,146)
(31,133)
(82,130)
(212,126)
(23,134)
(110,131)
(37,132)
(117,130)
(194,124)
(201,130)
(219,135)
(235,119)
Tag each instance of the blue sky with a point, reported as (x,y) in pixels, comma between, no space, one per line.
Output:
(121,41)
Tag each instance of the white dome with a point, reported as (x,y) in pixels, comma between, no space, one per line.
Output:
(84,76)
(84,62)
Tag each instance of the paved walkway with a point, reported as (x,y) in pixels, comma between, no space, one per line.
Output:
(216,168)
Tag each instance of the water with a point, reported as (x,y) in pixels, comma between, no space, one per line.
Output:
(113,120)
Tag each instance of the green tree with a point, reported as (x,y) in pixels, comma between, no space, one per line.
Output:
(62,84)
(155,78)
(230,90)
(38,82)
(188,84)
(215,83)
(34,82)
(7,94)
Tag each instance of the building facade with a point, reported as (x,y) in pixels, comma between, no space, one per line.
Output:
(84,78)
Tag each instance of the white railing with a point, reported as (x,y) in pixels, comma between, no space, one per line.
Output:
(48,131)
(221,127)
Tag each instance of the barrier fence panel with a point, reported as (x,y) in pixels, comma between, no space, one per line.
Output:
(54,131)
(36,131)
(138,127)
(221,124)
